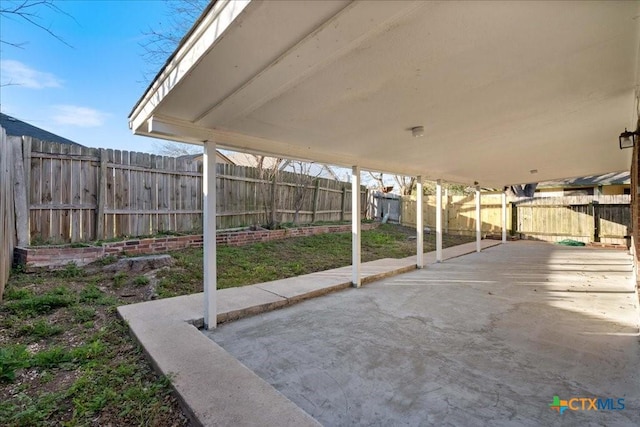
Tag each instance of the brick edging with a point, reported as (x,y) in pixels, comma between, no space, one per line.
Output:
(54,257)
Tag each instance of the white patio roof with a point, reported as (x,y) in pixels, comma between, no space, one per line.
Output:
(501,88)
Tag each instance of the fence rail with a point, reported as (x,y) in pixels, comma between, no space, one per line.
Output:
(77,194)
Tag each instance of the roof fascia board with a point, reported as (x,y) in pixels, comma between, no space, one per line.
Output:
(188,54)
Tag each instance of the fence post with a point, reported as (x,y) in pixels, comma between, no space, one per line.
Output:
(19,192)
(316,195)
(102,195)
(343,203)
(514,219)
(596,220)
(26,155)
(447,201)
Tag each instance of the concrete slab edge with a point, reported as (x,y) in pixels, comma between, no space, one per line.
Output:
(208,364)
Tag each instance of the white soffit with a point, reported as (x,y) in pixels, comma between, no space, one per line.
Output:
(502,88)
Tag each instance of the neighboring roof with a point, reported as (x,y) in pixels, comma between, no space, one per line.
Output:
(15,127)
(614,178)
(502,88)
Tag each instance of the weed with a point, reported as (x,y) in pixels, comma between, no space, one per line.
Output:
(141,281)
(71,270)
(46,377)
(17,293)
(107,260)
(90,293)
(88,351)
(41,304)
(119,278)
(32,411)
(83,314)
(12,358)
(40,329)
(79,245)
(19,268)
(53,357)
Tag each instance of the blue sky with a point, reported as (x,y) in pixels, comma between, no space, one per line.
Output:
(84,92)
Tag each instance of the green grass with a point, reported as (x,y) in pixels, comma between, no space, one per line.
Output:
(81,367)
(39,329)
(261,262)
(29,305)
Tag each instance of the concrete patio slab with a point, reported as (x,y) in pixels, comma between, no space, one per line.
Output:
(213,387)
(485,339)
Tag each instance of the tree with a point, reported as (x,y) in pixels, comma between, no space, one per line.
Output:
(268,174)
(303,179)
(406,184)
(29,12)
(379,179)
(175,149)
(162,40)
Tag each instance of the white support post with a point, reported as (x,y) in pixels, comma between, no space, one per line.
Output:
(438,221)
(355,227)
(209,234)
(504,217)
(478,221)
(419,225)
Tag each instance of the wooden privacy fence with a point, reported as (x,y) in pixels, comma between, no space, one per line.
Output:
(604,219)
(78,194)
(458,213)
(7,218)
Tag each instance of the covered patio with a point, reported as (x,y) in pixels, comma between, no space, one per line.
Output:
(488,94)
(485,94)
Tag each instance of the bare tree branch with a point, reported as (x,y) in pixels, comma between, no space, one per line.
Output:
(175,149)
(163,39)
(406,184)
(379,180)
(29,11)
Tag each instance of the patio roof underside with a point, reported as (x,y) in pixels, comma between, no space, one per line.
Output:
(502,89)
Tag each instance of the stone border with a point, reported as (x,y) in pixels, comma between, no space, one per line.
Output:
(55,257)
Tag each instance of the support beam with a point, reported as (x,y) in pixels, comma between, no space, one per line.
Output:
(419,225)
(504,217)
(478,221)
(355,227)
(438,221)
(209,234)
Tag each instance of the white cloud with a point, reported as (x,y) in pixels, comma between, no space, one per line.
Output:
(16,73)
(78,116)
